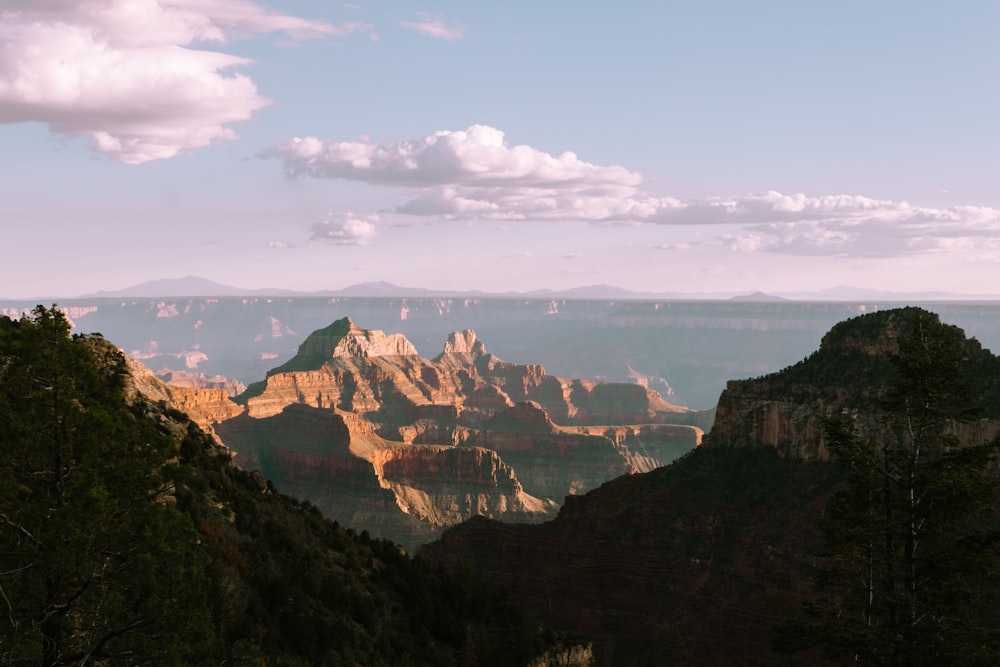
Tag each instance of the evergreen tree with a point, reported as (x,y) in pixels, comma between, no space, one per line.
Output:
(913,534)
(127,537)
(93,569)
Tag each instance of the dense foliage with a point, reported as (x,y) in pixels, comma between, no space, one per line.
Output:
(128,538)
(914,534)
(855,363)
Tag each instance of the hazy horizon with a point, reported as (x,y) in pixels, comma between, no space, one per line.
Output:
(199,287)
(720,147)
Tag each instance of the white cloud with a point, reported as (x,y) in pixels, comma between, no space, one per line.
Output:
(471,173)
(346,229)
(477,156)
(434,26)
(861,227)
(124,73)
(475,174)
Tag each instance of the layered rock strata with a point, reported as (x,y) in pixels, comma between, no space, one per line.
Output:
(847,376)
(362,425)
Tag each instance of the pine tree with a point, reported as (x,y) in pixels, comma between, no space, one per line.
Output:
(94,567)
(913,534)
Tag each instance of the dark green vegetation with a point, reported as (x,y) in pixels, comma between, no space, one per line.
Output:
(695,563)
(913,565)
(858,362)
(128,538)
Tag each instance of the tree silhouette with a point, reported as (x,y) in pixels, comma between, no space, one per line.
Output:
(913,534)
(92,568)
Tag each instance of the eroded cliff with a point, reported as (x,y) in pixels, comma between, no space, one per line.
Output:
(847,376)
(363,426)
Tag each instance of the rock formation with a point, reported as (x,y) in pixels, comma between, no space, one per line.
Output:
(380,438)
(695,562)
(205,407)
(191,380)
(356,370)
(848,375)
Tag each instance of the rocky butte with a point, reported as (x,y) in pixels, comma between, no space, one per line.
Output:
(695,562)
(382,439)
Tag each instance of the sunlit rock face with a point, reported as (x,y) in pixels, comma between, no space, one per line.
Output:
(352,369)
(205,406)
(194,380)
(345,339)
(383,439)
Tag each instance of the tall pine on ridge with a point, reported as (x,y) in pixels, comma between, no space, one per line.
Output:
(914,535)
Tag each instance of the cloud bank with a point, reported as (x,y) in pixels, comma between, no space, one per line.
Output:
(125,73)
(475,174)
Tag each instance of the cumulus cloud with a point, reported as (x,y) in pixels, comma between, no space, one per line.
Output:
(859,227)
(475,174)
(471,173)
(346,229)
(477,156)
(124,73)
(434,26)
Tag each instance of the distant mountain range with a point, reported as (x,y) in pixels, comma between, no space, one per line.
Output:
(194,286)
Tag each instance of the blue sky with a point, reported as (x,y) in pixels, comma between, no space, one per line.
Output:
(721,146)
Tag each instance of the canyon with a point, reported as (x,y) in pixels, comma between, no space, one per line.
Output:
(685,350)
(382,439)
(555,489)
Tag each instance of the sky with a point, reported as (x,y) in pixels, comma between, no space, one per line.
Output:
(721,146)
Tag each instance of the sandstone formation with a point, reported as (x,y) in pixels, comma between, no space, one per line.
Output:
(205,407)
(356,370)
(383,439)
(193,380)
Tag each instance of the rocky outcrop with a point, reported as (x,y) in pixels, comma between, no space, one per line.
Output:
(357,478)
(345,339)
(465,434)
(444,486)
(848,376)
(463,343)
(649,446)
(205,407)
(307,453)
(555,461)
(192,380)
(551,462)
(355,370)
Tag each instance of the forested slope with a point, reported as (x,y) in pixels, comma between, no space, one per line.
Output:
(127,537)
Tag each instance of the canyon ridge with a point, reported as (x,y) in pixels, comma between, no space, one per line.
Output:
(382,439)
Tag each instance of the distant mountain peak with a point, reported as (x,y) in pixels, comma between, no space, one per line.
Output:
(196,286)
(173,287)
(757,297)
(344,339)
